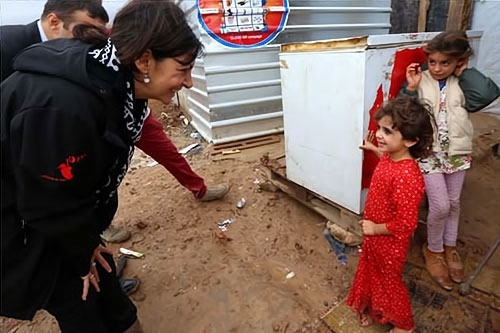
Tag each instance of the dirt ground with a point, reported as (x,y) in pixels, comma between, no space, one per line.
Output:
(194,282)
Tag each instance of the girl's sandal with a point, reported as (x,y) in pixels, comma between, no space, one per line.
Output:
(365,320)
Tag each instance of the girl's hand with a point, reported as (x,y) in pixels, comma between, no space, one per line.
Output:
(369,228)
(413,76)
(368,143)
(461,66)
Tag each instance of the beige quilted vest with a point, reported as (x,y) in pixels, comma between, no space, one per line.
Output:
(459,125)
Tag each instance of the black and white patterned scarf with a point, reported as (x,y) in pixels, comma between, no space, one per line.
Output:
(134,115)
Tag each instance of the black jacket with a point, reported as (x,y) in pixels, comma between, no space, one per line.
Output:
(13,39)
(61,132)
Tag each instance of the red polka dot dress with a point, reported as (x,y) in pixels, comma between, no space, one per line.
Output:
(396,191)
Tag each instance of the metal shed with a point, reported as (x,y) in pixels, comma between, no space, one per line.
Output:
(237,92)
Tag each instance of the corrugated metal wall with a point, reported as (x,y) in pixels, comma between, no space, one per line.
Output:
(237,93)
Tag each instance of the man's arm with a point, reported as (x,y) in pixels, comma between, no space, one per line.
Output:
(156,144)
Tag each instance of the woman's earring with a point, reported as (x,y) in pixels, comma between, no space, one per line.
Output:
(146,78)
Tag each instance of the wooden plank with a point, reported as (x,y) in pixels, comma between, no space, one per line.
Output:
(422,15)
(332,212)
(459,14)
(466,22)
(245,144)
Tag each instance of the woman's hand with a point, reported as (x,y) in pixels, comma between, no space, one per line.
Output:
(413,76)
(93,276)
(87,281)
(461,66)
(97,257)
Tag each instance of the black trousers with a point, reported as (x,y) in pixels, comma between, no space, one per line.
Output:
(108,311)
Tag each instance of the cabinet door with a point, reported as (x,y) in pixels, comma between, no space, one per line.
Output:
(323,106)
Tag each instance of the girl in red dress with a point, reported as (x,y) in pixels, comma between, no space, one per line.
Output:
(405,133)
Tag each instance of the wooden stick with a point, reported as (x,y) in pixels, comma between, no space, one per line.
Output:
(458,14)
(422,15)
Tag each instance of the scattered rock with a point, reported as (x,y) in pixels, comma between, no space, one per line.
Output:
(138,296)
(141,225)
(268,187)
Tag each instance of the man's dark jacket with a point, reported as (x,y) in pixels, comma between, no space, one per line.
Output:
(13,39)
(61,131)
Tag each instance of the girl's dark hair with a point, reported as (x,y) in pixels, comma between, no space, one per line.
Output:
(413,120)
(452,43)
(156,25)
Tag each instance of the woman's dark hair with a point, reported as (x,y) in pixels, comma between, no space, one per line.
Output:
(452,43)
(91,34)
(156,25)
(413,120)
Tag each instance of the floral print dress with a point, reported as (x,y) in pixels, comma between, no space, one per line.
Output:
(441,162)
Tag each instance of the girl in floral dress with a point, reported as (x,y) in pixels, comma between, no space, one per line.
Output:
(378,293)
(452,90)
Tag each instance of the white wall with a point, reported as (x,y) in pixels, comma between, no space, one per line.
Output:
(486,17)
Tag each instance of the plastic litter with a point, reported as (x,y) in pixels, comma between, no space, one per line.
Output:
(240,204)
(224,224)
(130,253)
(185,150)
(195,135)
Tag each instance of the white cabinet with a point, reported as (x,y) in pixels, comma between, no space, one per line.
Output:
(330,91)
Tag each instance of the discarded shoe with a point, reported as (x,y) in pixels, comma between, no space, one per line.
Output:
(121,263)
(130,286)
(115,235)
(215,192)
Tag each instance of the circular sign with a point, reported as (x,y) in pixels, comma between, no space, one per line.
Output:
(243,23)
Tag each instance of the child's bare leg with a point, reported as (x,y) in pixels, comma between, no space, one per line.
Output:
(365,319)
(399,330)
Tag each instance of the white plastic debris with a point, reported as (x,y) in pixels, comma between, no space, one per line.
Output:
(188,148)
(128,252)
(240,204)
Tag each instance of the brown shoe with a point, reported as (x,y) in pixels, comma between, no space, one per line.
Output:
(436,266)
(454,263)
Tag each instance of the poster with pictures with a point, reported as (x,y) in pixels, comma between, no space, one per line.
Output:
(243,23)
